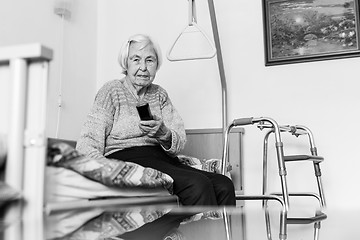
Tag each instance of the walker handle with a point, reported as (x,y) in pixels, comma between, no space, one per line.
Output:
(242,121)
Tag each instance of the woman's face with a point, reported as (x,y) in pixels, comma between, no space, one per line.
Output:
(142,65)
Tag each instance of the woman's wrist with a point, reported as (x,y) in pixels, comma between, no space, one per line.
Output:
(166,139)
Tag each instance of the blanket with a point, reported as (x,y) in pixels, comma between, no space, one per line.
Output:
(116,173)
(110,172)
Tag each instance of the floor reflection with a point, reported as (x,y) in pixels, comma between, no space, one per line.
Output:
(138,223)
(162,222)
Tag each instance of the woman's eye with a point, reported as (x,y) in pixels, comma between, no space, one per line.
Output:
(150,61)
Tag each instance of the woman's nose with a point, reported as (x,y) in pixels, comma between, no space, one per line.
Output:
(143,66)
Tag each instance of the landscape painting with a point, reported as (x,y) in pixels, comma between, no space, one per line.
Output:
(310,30)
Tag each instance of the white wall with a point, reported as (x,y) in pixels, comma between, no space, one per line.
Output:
(73,40)
(319,95)
(19,26)
(185,81)
(79,67)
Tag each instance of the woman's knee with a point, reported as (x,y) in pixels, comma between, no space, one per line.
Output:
(229,184)
(225,191)
(197,191)
(196,184)
(223,182)
(224,187)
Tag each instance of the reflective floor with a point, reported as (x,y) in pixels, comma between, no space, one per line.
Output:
(249,221)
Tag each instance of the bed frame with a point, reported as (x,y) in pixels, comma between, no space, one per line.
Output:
(28,65)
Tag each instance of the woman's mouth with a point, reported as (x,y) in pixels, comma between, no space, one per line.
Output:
(142,76)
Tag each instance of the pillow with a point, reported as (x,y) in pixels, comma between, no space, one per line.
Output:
(208,165)
(110,172)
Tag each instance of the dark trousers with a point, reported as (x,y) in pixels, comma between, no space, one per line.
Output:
(192,186)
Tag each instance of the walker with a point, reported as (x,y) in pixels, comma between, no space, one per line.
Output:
(283,197)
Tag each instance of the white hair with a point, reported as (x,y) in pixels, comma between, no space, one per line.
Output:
(138,38)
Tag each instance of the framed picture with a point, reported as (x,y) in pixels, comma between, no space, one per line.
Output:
(298,31)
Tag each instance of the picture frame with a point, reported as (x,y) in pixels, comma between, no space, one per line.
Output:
(297,31)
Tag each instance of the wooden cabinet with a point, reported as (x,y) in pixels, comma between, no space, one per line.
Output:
(208,143)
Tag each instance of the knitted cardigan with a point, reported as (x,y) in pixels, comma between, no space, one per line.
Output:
(113,121)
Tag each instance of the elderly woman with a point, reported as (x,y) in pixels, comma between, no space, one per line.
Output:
(114,129)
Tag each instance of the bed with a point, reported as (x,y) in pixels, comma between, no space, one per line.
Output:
(62,193)
(41,185)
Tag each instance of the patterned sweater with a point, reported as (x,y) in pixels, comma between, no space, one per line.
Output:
(113,122)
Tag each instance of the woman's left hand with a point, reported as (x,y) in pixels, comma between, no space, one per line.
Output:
(154,128)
